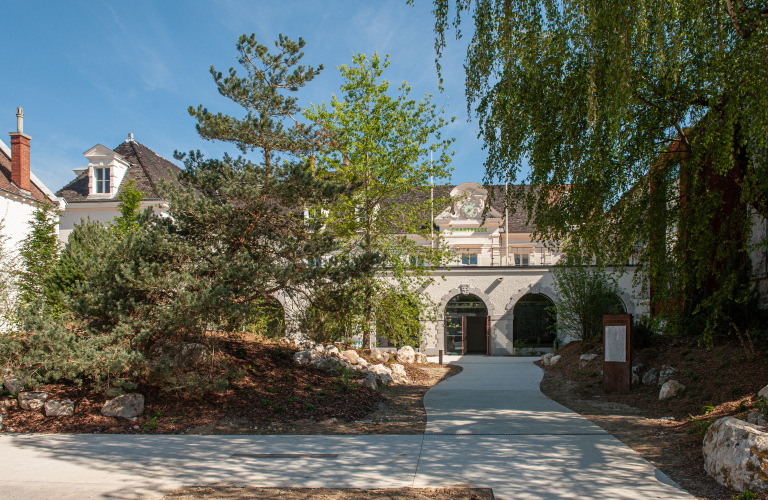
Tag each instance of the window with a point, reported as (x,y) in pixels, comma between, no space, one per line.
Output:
(469,259)
(415,261)
(102,180)
(522,259)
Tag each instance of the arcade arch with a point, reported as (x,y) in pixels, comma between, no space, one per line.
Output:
(466,325)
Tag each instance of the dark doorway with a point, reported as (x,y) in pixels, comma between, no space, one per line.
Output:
(534,318)
(466,325)
(476,334)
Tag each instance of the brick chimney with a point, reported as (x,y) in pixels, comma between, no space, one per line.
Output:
(20,154)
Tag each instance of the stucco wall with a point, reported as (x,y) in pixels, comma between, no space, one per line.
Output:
(16,215)
(500,288)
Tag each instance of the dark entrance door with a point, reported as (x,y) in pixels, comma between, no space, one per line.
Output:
(466,320)
(476,334)
(533,320)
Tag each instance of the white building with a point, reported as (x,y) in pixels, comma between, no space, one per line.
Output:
(499,288)
(94,191)
(20,190)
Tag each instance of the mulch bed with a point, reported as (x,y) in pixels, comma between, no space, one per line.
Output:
(250,493)
(722,380)
(273,390)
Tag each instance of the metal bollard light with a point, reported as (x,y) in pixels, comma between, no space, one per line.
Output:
(440,357)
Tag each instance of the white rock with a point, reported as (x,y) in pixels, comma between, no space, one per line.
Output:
(351,356)
(585,359)
(384,379)
(651,377)
(761,421)
(665,374)
(546,359)
(398,374)
(554,360)
(406,355)
(380,369)
(763,393)
(59,408)
(370,381)
(670,388)
(32,401)
(636,370)
(752,417)
(125,405)
(421,358)
(303,357)
(7,403)
(363,363)
(331,350)
(13,385)
(736,454)
(328,364)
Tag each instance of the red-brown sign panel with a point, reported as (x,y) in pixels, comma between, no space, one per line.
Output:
(617,348)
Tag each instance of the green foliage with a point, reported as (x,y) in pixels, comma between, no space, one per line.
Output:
(644,331)
(39,252)
(639,137)
(699,427)
(745,495)
(130,201)
(387,142)
(584,294)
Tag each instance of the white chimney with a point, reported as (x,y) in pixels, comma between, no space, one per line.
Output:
(130,137)
(19,120)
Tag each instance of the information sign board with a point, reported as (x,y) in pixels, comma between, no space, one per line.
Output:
(617,346)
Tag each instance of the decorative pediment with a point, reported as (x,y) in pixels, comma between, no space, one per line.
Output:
(469,201)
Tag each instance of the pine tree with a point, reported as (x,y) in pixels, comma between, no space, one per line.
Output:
(8,287)
(130,201)
(39,253)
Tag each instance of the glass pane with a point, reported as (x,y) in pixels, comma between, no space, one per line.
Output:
(464,259)
(99,174)
(525,260)
(473,259)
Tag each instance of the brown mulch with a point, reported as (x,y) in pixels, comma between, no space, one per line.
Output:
(723,376)
(251,493)
(271,395)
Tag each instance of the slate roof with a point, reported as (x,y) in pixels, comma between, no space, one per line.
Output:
(6,185)
(147,168)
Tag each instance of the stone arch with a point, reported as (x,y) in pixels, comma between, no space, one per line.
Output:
(465,289)
(537,288)
(626,299)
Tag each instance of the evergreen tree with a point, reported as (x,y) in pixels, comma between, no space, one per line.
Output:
(39,253)
(245,219)
(387,142)
(130,201)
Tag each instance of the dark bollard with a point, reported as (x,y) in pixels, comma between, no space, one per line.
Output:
(440,357)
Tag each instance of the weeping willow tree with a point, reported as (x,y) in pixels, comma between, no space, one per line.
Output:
(642,126)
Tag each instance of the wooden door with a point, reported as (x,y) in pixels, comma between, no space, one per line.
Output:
(463,335)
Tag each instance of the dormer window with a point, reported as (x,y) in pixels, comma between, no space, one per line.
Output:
(102,180)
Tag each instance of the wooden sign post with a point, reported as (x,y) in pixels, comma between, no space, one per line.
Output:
(617,347)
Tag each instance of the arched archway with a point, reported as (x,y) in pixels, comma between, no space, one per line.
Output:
(533,320)
(466,325)
(617,306)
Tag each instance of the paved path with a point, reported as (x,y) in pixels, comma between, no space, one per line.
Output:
(488,426)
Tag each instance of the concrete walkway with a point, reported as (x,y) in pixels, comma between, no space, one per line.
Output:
(488,426)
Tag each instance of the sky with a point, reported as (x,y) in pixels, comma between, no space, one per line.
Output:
(89,73)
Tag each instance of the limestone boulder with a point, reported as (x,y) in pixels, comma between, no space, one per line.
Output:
(763,393)
(421,358)
(14,385)
(327,364)
(666,373)
(32,401)
(671,388)
(398,374)
(363,363)
(636,371)
(351,356)
(125,405)
(736,454)
(331,350)
(752,417)
(585,359)
(406,355)
(6,404)
(383,374)
(59,408)
(554,360)
(384,379)
(303,357)
(546,359)
(370,381)
(651,377)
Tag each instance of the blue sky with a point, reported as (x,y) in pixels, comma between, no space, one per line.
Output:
(91,72)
